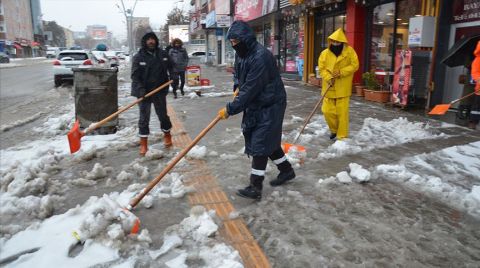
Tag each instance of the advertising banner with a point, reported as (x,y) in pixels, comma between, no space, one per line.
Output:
(401,76)
(251,9)
(223,21)
(193,75)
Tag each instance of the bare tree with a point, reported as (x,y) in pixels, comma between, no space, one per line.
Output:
(175,17)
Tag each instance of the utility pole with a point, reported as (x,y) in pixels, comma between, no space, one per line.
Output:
(129,20)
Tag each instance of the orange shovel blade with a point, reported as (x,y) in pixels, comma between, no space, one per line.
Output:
(74,136)
(440,109)
(287,146)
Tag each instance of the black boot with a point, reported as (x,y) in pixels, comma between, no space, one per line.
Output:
(183,92)
(283,177)
(174,95)
(333,136)
(254,190)
(250,192)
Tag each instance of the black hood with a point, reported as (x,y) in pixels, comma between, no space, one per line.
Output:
(146,36)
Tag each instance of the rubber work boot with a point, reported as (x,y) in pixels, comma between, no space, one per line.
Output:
(333,136)
(283,177)
(251,192)
(143,145)
(167,139)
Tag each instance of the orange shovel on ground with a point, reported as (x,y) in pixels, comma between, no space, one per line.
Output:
(287,146)
(75,134)
(441,109)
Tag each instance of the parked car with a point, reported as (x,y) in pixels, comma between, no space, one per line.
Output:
(4,58)
(68,59)
(112,58)
(52,52)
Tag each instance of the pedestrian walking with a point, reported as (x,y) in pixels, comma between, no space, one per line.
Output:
(475,112)
(337,64)
(262,98)
(150,69)
(179,56)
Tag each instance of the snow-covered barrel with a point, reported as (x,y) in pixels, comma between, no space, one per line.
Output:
(96,97)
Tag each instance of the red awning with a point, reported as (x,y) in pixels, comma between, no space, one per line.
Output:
(17,46)
(35,44)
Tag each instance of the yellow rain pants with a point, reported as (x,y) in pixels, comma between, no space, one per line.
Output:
(336,113)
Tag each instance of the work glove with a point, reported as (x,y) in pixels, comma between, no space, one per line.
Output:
(235,93)
(222,113)
(336,74)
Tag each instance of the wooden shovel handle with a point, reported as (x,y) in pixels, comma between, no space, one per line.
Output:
(123,109)
(134,202)
(464,97)
(307,120)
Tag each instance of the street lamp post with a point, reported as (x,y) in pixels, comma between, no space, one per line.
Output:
(129,18)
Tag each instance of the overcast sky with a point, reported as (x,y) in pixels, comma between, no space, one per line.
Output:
(77,14)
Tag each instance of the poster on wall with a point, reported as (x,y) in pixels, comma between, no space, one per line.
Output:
(401,76)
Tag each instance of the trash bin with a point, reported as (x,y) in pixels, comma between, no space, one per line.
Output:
(96,97)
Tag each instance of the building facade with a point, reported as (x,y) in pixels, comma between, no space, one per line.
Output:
(17,37)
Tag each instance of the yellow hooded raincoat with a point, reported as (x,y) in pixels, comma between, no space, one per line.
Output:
(336,103)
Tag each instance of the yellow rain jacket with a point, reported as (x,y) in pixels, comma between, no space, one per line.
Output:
(346,62)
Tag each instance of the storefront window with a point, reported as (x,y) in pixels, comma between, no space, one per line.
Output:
(406,9)
(267,34)
(325,26)
(383,20)
(289,48)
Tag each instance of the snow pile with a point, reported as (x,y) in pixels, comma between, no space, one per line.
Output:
(194,239)
(197,152)
(58,125)
(21,122)
(343,177)
(97,224)
(317,127)
(28,193)
(379,134)
(451,175)
(172,186)
(358,172)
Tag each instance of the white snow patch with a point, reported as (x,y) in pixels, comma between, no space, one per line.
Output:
(379,134)
(197,152)
(344,177)
(359,173)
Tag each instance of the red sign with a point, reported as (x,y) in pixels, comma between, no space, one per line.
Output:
(466,10)
(401,76)
(247,10)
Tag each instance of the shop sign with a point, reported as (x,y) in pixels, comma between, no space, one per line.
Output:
(465,10)
(248,9)
(223,21)
(210,19)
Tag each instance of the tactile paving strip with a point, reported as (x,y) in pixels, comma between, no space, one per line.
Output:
(210,195)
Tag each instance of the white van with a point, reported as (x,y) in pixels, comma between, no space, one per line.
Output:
(52,52)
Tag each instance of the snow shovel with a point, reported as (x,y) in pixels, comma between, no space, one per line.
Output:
(441,109)
(75,134)
(299,148)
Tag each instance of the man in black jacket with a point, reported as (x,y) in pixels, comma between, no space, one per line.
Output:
(179,56)
(150,69)
(262,99)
